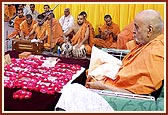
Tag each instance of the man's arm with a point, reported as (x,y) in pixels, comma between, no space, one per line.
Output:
(116,89)
(16,24)
(102,32)
(69,31)
(27,37)
(13,17)
(113,35)
(103,35)
(45,37)
(6,16)
(85,37)
(21,34)
(101,86)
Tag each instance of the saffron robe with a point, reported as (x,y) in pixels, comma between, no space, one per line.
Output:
(40,30)
(125,36)
(17,22)
(91,33)
(131,45)
(9,12)
(57,33)
(79,36)
(108,42)
(142,70)
(26,29)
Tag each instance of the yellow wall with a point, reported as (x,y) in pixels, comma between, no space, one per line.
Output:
(121,13)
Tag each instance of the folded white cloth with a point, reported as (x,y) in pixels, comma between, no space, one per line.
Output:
(103,64)
(77,98)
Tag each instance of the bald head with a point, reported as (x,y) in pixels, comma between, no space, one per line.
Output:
(150,17)
(148,25)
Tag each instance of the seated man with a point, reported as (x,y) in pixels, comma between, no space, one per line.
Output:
(81,34)
(46,9)
(25,8)
(27,26)
(55,34)
(108,34)
(91,29)
(142,70)
(9,13)
(125,36)
(33,12)
(17,21)
(39,29)
(67,20)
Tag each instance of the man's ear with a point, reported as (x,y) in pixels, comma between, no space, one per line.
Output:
(150,30)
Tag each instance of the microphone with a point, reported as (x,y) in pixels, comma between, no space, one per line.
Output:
(47,14)
(51,11)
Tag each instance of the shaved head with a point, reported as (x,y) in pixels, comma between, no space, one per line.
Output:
(151,17)
(148,25)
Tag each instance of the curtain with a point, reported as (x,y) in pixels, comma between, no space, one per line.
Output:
(121,13)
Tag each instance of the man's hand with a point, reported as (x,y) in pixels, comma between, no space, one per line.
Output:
(95,85)
(77,46)
(27,37)
(110,32)
(113,35)
(88,80)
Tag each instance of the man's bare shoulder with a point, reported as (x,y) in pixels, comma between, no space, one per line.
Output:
(75,25)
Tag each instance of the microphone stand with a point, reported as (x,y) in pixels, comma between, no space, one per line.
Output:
(50,12)
(51,30)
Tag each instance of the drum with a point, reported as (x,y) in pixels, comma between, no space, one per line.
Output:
(27,45)
(79,52)
(66,49)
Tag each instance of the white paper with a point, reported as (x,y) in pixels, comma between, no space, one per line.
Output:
(35,40)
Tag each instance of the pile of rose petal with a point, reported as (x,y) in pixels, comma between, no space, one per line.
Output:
(29,74)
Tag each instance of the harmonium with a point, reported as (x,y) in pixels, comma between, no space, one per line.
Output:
(27,45)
